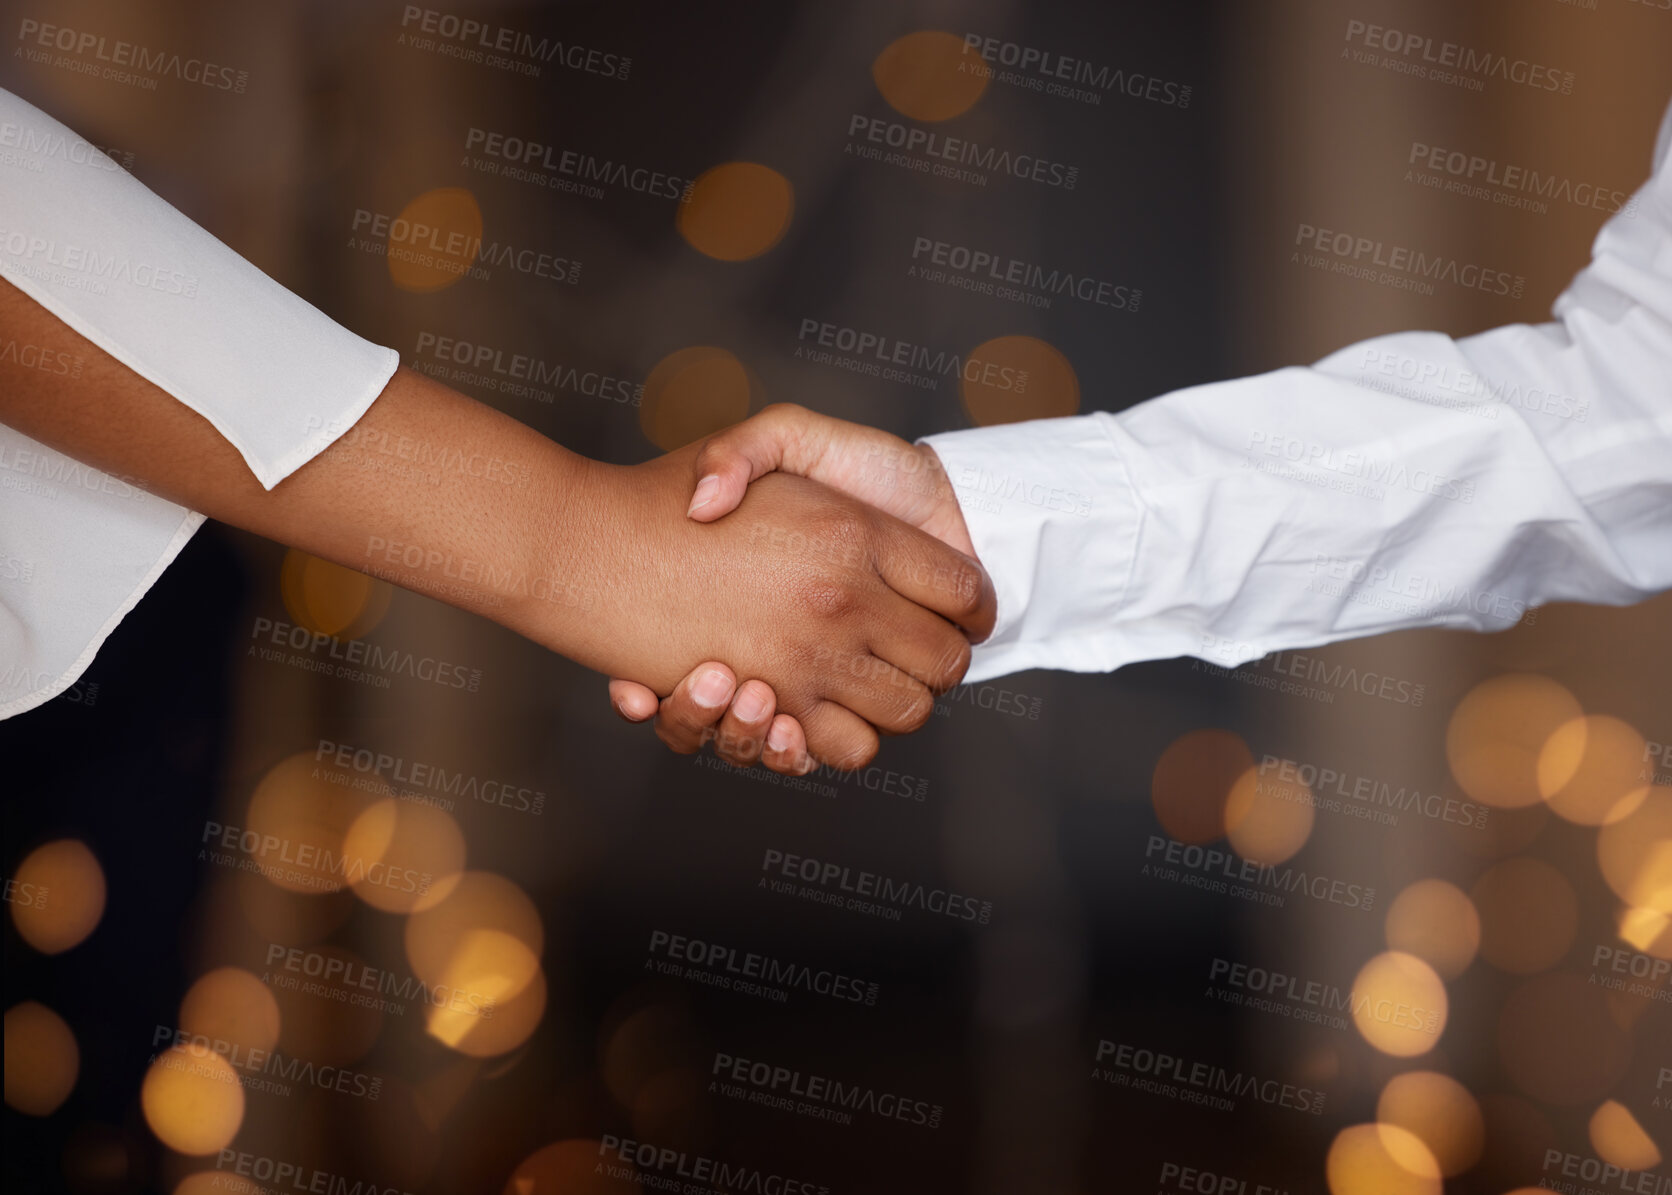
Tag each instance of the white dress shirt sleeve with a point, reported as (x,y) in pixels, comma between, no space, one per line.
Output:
(275,376)
(1409,480)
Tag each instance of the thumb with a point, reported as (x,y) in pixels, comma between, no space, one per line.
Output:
(729,460)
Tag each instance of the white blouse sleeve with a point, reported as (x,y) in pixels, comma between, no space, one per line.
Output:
(1410,480)
(274,375)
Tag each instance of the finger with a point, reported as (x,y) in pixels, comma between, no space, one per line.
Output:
(783,436)
(924,570)
(839,737)
(743,730)
(923,645)
(690,712)
(875,690)
(633,701)
(786,748)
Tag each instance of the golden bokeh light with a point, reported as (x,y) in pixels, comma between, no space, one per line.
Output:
(1380,1159)
(42,1059)
(434,240)
(1497,733)
(329,599)
(693,393)
(1012,378)
(573,1167)
(192,1100)
(414,855)
(1590,770)
(1649,930)
(1618,1138)
(1192,781)
(231,1005)
(1440,1112)
(1635,853)
(1559,1042)
(298,816)
(1268,818)
(57,895)
(1528,915)
(1436,922)
(484,940)
(485,1022)
(736,210)
(930,75)
(1399,1004)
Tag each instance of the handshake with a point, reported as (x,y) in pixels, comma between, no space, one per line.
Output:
(844,598)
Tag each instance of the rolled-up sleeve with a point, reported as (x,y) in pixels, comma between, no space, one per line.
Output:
(278,378)
(1409,480)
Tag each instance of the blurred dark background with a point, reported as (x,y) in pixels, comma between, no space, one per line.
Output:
(1040,793)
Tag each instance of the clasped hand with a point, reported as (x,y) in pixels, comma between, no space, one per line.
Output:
(853,589)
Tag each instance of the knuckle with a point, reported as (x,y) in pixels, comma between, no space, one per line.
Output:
(827,598)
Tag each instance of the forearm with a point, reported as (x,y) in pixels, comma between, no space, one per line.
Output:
(429,489)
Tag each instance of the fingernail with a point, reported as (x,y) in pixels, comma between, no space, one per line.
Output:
(750,705)
(712,689)
(706,489)
(778,738)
